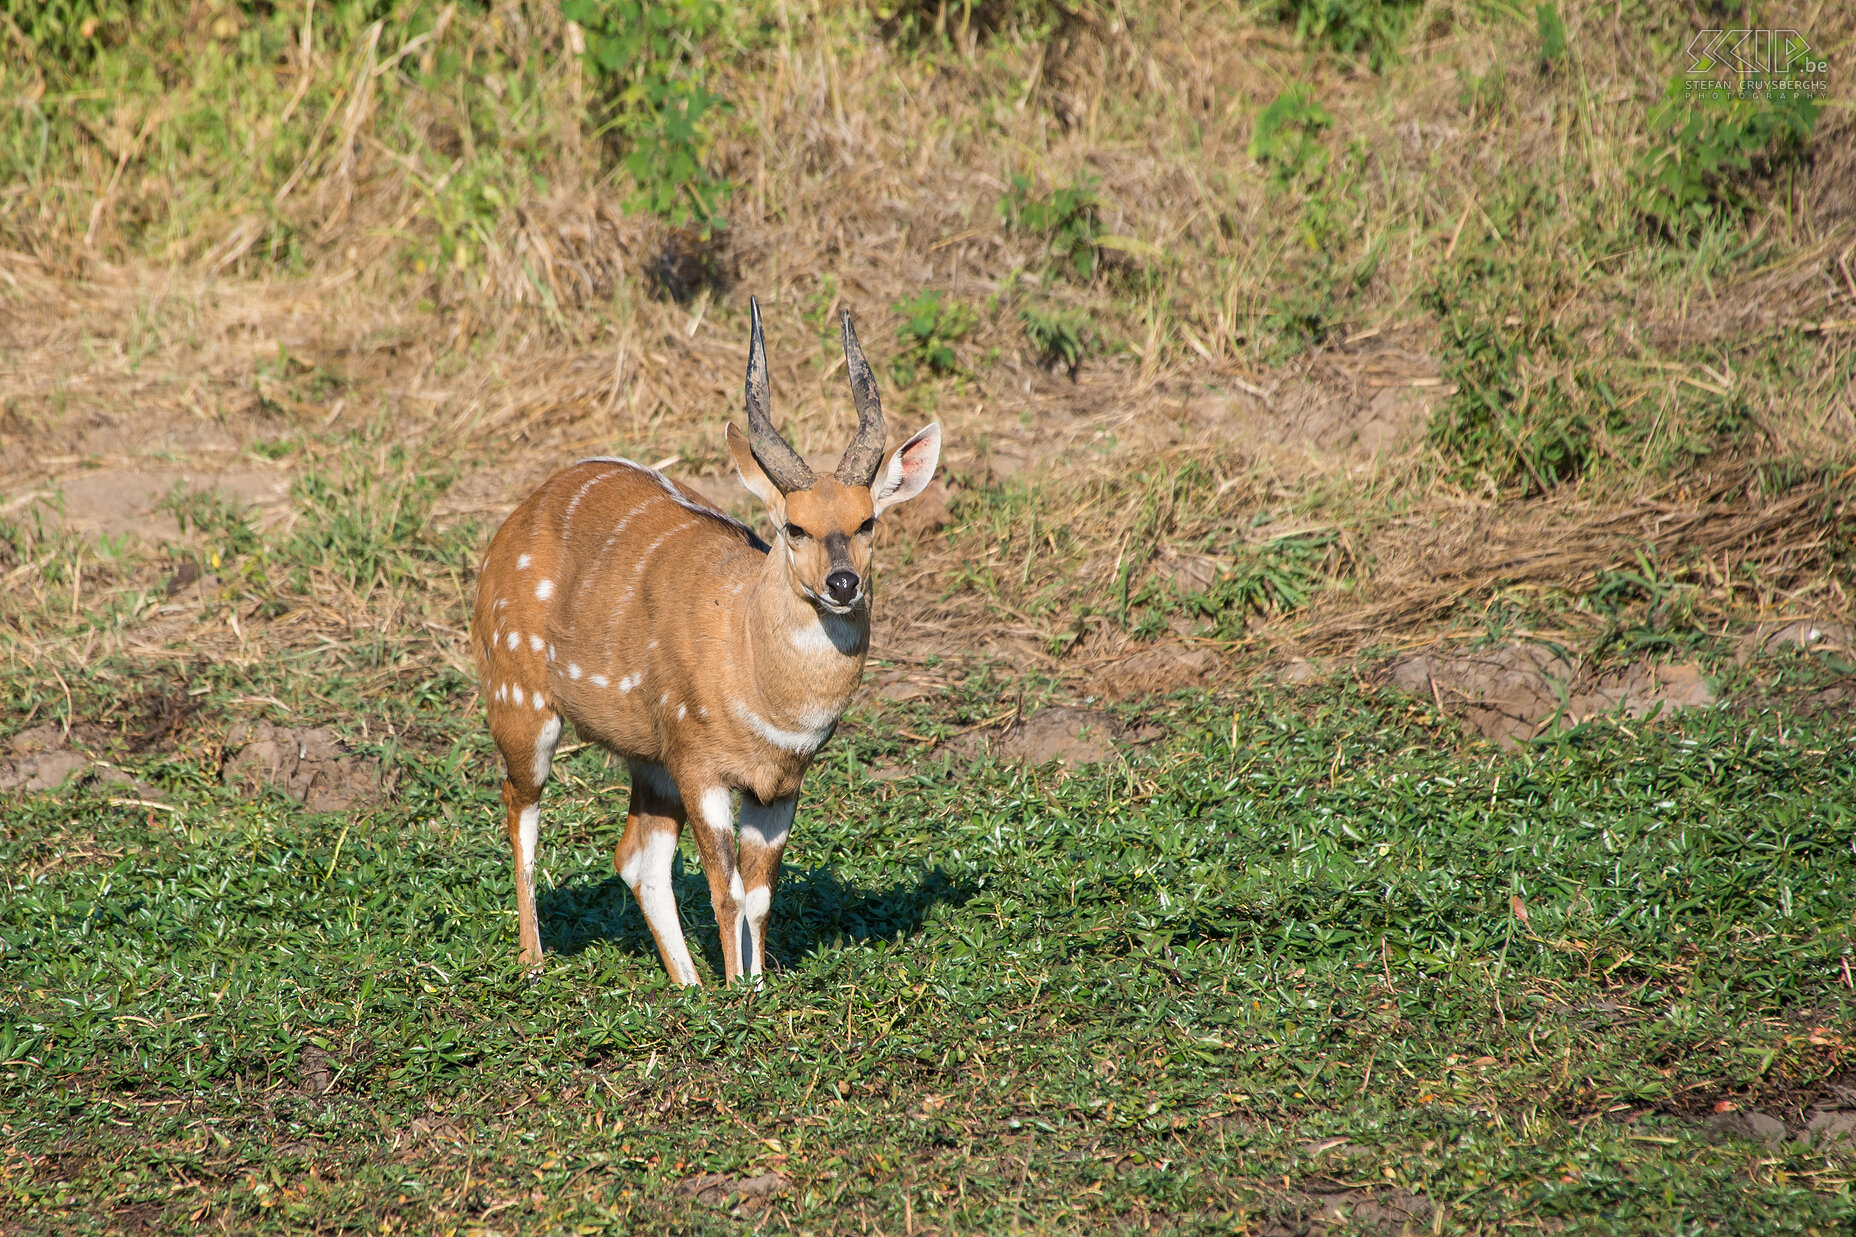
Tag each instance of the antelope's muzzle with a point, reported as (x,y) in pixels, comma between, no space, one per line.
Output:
(843,586)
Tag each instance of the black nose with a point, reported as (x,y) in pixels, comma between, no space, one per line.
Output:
(842,585)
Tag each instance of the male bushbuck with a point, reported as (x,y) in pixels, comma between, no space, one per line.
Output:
(673,636)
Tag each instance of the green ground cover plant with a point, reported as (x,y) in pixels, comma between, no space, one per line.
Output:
(1298,949)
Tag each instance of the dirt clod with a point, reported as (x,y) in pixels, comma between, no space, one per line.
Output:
(1069,736)
(1748,1125)
(720,1189)
(1827,1130)
(40,760)
(1514,692)
(312,766)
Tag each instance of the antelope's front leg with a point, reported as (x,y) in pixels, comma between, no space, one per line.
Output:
(716,841)
(764,827)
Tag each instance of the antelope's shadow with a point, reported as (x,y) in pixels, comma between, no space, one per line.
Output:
(812,910)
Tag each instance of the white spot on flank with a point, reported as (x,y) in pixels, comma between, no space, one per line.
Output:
(550,652)
(535,643)
(544,749)
(800,742)
(501,602)
(599,680)
(502,691)
(651,645)
(522,562)
(573,670)
(702,710)
(517,693)
(544,590)
(630,681)
(515,638)
(682,710)
(664,699)
(540,704)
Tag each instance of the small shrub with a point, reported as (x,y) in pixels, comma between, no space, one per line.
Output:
(1369,28)
(1710,148)
(1069,217)
(1057,336)
(1482,94)
(645,54)
(1554,47)
(914,22)
(64,32)
(931,326)
(1286,139)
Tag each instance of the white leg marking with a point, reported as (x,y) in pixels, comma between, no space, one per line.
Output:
(717,812)
(648,874)
(764,825)
(754,905)
(544,590)
(530,829)
(544,750)
(737,888)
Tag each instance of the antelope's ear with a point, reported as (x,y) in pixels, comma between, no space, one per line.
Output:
(753,476)
(909,469)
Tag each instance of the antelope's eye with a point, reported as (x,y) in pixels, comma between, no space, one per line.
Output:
(867,526)
(796,533)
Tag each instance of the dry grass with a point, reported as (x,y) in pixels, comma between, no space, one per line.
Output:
(144,320)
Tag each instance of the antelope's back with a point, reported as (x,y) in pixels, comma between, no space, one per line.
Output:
(581,577)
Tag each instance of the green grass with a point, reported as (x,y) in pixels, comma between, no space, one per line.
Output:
(1136,997)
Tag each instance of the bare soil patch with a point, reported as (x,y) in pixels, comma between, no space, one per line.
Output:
(1156,670)
(745,1194)
(310,764)
(1517,691)
(1069,736)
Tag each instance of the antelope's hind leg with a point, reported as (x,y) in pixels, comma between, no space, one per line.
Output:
(527,738)
(643,859)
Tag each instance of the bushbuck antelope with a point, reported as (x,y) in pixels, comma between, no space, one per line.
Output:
(673,636)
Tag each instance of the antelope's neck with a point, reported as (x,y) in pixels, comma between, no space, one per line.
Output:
(803,664)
